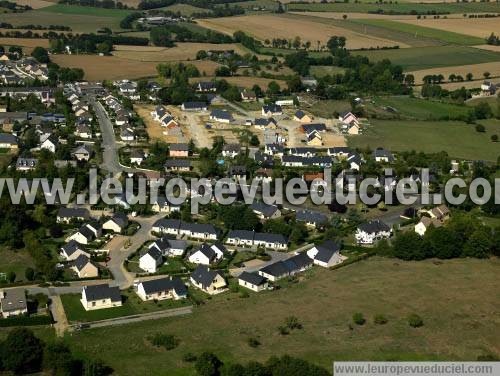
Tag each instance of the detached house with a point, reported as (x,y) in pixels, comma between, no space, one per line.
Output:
(272,110)
(161,289)
(265,123)
(258,239)
(117,223)
(178,150)
(326,254)
(8,141)
(248,96)
(302,117)
(180,165)
(382,155)
(210,281)
(151,260)
(207,254)
(311,218)
(72,250)
(169,247)
(194,106)
(253,281)
(231,150)
(68,215)
(13,302)
(368,233)
(221,116)
(290,267)
(100,297)
(265,211)
(82,153)
(84,268)
(424,224)
(206,86)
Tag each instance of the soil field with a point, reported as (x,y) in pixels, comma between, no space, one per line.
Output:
(476,69)
(443,292)
(154,129)
(412,59)
(353,15)
(477,27)
(106,67)
(35,4)
(467,84)
(182,51)
(24,42)
(284,26)
(79,23)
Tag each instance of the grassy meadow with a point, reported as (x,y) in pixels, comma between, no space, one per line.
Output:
(443,293)
(458,139)
(87,11)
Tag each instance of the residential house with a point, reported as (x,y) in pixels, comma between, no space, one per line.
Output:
(303,152)
(180,165)
(263,159)
(310,83)
(354,161)
(221,116)
(424,224)
(68,215)
(326,254)
(151,260)
(341,152)
(162,289)
(127,134)
(83,131)
(194,106)
(441,213)
(169,122)
(166,226)
(313,128)
(202,231)
(161,205)
(72,250)
(100,297)
(8,141)
(178,150)
(272,110)
(314,139)
(265,211)
(274,150)
(210,281)
(84,268)
(231,150)
(237,172)
(86,234)
(348,117)
(169,247)
(265,123)
(207,254)
(272,241)
(311,218)
(248,96)
(137,156)
(82,153)
(286,268)
(49,143)
(368,233)
(382,155)
(488,88)
(253,281)
(13,302)
(26,164)
(118,223)
(206,86)
(302,117)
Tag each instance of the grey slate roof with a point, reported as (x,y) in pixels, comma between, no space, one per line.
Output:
(81,261)
(252,278)
(154,253)
(311,217)
(207,251)
(167,223)
(165,284)
(99,292)
(177,163)
(221,114)
(179,147)
(326,250)
(73,213)
(71,247)
(270,238)
(15,299)
(374,227)
(241,234)
(6,138)
(204,276)
(266,210)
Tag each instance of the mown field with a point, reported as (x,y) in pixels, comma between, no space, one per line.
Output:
(87,11)
(443,293)
(458,139)
(426,32)
(477,27)
(80,23)
(400,7)
(477,71)
(412,59)
(288,26)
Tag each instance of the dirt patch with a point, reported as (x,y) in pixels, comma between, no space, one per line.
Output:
(273,26)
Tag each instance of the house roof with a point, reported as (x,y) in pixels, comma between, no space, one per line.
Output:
(382,153)
(153,252)
(164,284)
(199,227)
(204,276)
(71,247)
(270,238)
(73,213)
(120,219)
(207,251)
(300,114)
(80,262)
(221,114)
(168,223)
(252,278)
(373,227)
(177,163)
(276,269)
(6,138)
(264,122)
(311,217)
(298,262)
(232,147)
(14,299)
(273,108)
(194,105)
(316,127)
(179,147)
(326,250)
(99,292)
(241,234)
(262,207)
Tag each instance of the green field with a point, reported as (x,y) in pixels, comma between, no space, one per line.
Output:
(397,8)
(426,32)
(323,70)
(132,305)
(186,9)
(326,108)
(79,23)
(458,139)
(87,11)
(443,293)
(15,261)
(432,57)
(419,109)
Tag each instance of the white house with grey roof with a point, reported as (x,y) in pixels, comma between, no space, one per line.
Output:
(311,218)
(84,267)
(68,215)
(221,116)
(151,260)
(326,254)
(72,250)
(162,289)
(253,281)
(258,239)
(286,268)
(13,302)
(265,211)
(117,223)
(210,281)
(370,232)
(100,297)
(207,254)
(169,247)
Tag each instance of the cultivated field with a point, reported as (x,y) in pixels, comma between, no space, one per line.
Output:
(24,42)
(106,67)
(186,9)
(35,4)
(412,59)
(182,51)
(476,69)
(271,26)
(79,23)
(466,84)
(458,139)
(244,81)
(426,32)
(477,27)
(324,301)
(352,15)
(87,11)
(488,47)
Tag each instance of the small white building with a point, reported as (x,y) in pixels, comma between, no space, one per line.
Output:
(210,281)
(161,289)
(326,254)
(100,297)
(369,233)
(151,260)
(13,302)
(253,281)
(207,254)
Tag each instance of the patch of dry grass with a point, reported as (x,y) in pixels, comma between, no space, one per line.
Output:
(476,27)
